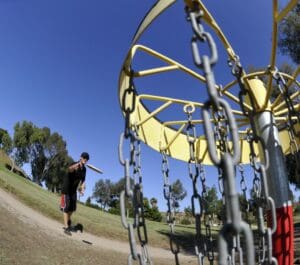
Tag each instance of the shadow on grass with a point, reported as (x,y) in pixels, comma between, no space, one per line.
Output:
(185,241)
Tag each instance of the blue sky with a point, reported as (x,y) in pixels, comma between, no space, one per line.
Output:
(60,62)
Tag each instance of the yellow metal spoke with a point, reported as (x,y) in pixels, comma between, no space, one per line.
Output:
(287,9)
(172,136)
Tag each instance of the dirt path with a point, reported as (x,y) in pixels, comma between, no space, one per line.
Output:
(52,228)
(23,229)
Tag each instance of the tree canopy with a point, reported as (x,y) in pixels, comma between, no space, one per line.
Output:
(289,35)
(6,143)
(45,151)
(178,192)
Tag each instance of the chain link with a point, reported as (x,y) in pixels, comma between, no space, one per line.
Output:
(284,91)
(245,205)
(133,190)
(223,157)
(203,245)
(171,206)
(264,204)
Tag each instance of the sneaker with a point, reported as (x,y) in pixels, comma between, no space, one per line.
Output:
(67,231)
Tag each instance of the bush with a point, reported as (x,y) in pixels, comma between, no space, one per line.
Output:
(115,211)
(297,209)
(153,214)
(185,221)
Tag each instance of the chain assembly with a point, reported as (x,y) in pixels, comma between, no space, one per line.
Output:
(264,204)
(284,91)
(167,189)
(245,205)
(224,158)
(132,195)
(203,245)
(263,201)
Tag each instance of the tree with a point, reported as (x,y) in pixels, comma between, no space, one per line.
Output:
(58,169)
(188,211)
(293,168)
(210,199)
(46,153)
(5,141)
(289,34)
(56,161)
(21,141)
(107,193)
(88,201)
(102,192)
(37,158)
(178,192)
(153,202)
(151,213)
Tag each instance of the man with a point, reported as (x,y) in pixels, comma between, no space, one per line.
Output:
(74,178)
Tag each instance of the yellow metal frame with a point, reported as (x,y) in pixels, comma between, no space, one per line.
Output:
(161,135)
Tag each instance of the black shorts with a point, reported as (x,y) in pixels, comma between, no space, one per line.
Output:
(68,202)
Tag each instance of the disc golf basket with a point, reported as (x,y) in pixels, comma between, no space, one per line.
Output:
(254,119)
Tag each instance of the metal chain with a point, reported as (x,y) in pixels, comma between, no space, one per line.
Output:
(133,192)
(199,206)
(171,206)
(243,186)
(228,158)
(259,181)
(264,204)
(284,90)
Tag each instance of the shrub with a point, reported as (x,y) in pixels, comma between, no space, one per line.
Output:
(297,209)
(185,221)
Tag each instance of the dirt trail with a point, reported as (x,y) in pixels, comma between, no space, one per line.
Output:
(32,221)
(53,228)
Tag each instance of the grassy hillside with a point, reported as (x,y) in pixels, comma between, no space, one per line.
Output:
(95,221)
(6,161)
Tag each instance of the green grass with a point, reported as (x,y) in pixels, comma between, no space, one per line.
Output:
(297,218)
(95,221)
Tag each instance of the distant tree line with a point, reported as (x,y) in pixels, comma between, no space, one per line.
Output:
(47,154)
(107,194)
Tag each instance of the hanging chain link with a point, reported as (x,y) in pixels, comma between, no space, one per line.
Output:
(171,206)
(228,158)
(133,192)
(264,204)
(291,123)
(245,205)
(203,246)
(263,201)
(284,91)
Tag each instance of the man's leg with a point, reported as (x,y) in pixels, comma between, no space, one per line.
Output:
(69,218)
(66,219)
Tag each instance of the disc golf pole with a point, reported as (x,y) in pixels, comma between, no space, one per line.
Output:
(278,186)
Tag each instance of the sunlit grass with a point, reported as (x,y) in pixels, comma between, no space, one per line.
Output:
(94,221)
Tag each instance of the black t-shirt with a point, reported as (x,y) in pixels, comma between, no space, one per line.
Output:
(72,180)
